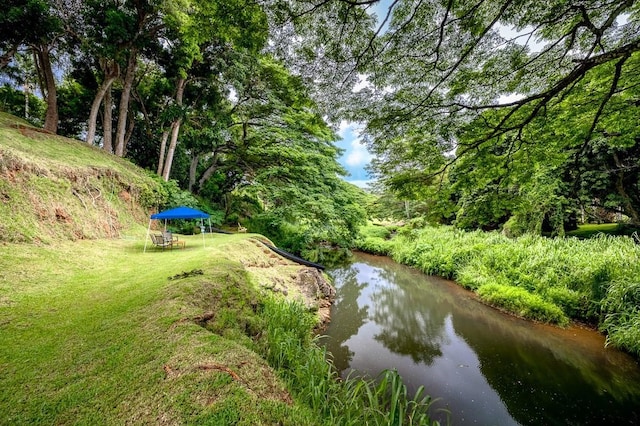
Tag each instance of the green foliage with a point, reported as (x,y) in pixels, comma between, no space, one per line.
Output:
(176,196)
(73,99)
(375,240)
(376,231)
(301,219)
(494,132)
(12,101)
(519,301)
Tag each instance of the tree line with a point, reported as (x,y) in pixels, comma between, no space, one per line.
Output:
(190,90)
(481,113)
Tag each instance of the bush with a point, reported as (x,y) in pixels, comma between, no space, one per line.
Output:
(375,231)
(522,303)
(374,245)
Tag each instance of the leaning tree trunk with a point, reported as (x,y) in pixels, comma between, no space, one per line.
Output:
(43,63)
(107,122)
(175,130)
(193,168)
(123,109)
(111,72)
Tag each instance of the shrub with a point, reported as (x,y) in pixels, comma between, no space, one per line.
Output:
(375,231)
(522,303)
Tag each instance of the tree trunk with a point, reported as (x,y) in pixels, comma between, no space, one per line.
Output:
(111,72)
(193,168)
(127,136)
(26,100)
(629,207)
(50,94)
(163,147)
(210,170)
(123,109)
(175,129)
(107,122)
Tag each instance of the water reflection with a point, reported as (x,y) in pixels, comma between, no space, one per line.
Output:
(396,309)
(349,312)
(488,368)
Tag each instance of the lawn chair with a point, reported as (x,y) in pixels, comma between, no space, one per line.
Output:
(160,241)
(169,237)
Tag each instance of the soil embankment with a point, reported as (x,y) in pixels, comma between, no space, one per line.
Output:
(304,284)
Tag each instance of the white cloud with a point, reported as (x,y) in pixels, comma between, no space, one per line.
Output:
(363,83)
(506,99)
(359,155)
(364,184)
(346,127)
(343,128)
(233,95)
(526,36)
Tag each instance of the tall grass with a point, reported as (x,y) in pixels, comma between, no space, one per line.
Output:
(551,280)
(290,349)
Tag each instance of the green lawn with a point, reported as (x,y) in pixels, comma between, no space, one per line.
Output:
(590,229)
(94,332)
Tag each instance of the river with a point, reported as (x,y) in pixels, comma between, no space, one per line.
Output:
(485,367)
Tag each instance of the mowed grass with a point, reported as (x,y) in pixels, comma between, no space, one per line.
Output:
(590,229)
(95,332)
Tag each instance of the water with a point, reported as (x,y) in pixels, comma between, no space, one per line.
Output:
(486,368)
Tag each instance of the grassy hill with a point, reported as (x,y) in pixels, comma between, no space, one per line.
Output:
(54,188)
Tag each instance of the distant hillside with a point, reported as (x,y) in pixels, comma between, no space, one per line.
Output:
(55,188)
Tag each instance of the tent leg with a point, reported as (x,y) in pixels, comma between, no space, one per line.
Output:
(147,237)
(202,228)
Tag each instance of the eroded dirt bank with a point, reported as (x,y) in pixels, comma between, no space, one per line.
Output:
(272,272)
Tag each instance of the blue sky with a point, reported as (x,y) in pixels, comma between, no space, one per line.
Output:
(355,157)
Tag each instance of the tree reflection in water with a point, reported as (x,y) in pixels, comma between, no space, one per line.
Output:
(347,316)
(406,326)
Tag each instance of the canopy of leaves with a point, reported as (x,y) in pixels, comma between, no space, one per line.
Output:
(518,92)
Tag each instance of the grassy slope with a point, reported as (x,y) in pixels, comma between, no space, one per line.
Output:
(92,331)
(54,188)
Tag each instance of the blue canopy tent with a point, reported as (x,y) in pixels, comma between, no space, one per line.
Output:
(181,212)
